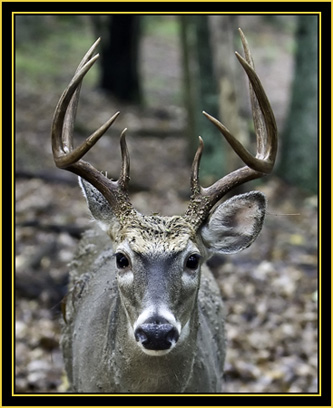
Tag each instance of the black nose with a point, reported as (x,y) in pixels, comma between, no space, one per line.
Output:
(156,334)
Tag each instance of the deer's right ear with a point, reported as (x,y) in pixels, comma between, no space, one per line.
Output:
(99,207)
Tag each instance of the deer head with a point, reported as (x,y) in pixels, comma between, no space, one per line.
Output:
(158,259)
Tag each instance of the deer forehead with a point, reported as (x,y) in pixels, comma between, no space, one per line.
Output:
(155,234)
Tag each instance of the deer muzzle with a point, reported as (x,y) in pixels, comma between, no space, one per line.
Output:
(156,335)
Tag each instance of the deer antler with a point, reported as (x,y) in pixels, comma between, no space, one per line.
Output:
(203,199)
(66,157)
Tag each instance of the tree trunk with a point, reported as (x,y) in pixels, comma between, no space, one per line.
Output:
(119,58)
(299,152)
(201,93)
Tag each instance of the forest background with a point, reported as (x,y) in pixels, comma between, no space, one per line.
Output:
(182,66)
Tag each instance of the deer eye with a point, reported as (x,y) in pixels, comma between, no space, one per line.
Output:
(193,261)
(122,261)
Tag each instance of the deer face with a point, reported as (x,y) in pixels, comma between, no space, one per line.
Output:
(158,274)
(158,262)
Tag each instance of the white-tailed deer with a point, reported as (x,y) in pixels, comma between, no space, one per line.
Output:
(144,313)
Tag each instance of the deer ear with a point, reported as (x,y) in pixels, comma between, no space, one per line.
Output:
(235,224)
(99,207)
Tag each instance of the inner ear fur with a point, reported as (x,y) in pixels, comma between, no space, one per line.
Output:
(99,207)
(235,224)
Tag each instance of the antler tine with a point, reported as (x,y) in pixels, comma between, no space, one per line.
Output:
(125,167)
(195,186)
(66,157)
(256,114)
(60,145)
(262,113)
(68,126)
(203,199)
(64,116)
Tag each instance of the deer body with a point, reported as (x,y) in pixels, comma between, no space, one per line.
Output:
(144,313)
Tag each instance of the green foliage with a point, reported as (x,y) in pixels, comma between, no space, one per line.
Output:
(161,26)
(46,43)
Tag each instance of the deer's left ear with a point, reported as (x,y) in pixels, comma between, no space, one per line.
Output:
(235,224)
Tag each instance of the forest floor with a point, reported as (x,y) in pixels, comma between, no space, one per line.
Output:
(269,290)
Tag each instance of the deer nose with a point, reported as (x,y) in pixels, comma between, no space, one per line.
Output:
(156,334)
